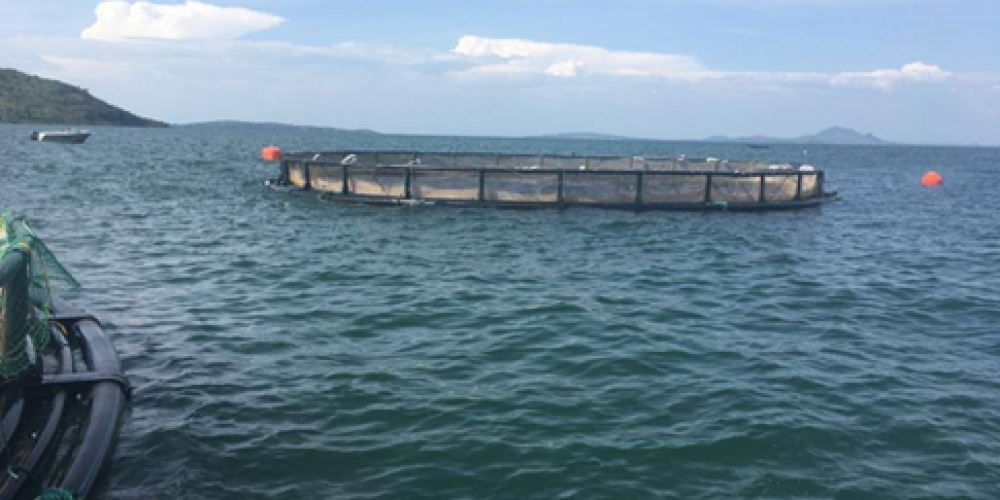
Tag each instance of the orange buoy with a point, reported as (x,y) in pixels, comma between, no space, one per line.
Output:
(932,179)
(270,153)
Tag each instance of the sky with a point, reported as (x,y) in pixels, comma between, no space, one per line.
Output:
(905,70)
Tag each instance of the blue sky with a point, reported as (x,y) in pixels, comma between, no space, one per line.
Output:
(907,70)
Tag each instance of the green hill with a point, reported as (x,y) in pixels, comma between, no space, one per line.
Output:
(30,99)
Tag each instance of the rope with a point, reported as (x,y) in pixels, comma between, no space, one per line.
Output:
(57,494)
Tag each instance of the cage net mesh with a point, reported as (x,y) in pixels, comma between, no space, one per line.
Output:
(810,186)
(673,188)
(779,188)
(610,164)
(296,174)
(376,182)
(326,178)
(519,162)
(397,159)
(589,187)
(521,187)
(27,271)
(735,189)
(445,185)
(566,163)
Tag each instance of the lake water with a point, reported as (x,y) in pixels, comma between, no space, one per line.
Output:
(281,347)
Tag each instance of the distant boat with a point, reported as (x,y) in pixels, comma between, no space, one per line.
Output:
(66,136)
(758,146)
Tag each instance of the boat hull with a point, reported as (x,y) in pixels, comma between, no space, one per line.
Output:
(75,138)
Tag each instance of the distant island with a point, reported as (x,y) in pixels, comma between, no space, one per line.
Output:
(832,135)
(30,99)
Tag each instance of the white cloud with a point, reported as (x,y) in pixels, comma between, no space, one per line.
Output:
(474,58)
(513,57)
(567,69)
(915,72)
(494,56)
(189,21)
(364,85)
(389,54)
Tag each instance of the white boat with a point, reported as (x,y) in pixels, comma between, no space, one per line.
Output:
(66,135)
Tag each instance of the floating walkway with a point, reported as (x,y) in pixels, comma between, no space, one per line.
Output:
(550,181)
(62,389)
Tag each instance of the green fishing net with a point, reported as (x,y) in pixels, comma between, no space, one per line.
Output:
(27,271)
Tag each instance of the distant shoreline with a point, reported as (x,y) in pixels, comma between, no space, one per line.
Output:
(545,137)
(574,136)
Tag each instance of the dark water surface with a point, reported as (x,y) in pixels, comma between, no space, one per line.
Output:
(287,348)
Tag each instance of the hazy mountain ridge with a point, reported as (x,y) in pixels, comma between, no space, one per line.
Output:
(30,99)
(251,125)
(832,135)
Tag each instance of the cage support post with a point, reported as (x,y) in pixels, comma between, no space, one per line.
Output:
(639,178)
(798,186)
(762,197)
(307,185)
(407,183)
(344,189)
(559,190)
(482,185)
(708,188)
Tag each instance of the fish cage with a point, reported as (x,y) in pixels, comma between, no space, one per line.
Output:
(62,389)
(551,181)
